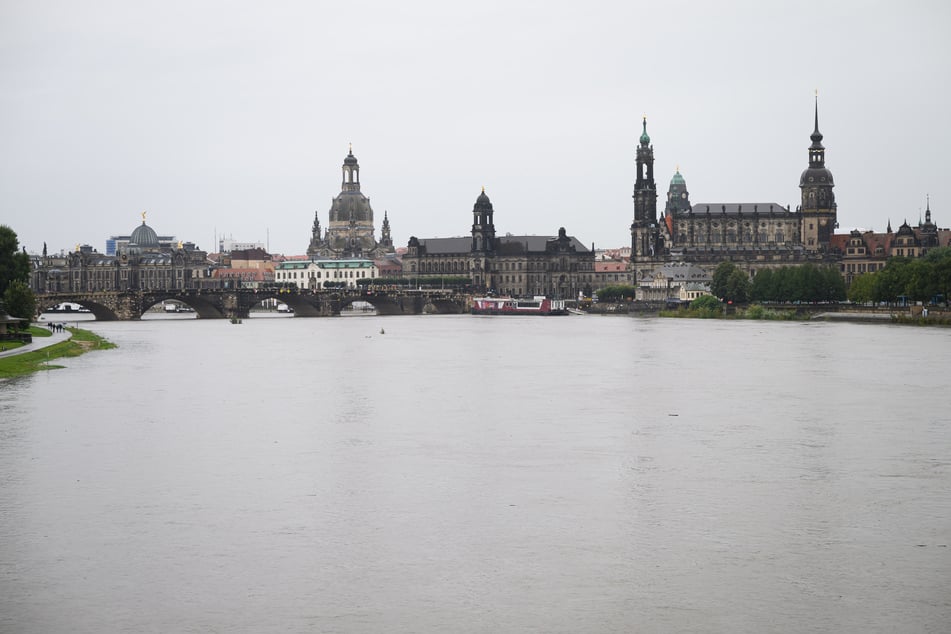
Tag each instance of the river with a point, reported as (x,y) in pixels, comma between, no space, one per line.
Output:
(480,474)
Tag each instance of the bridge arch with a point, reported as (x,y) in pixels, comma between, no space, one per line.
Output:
(99,310)
(303,305)
(204,308)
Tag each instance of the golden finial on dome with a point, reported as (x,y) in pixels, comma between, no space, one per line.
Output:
(143,216)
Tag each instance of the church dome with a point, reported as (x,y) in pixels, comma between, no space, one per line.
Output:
(351,205)
(816,176)
(351,159)
(144,237)
(483,202)
(677,179)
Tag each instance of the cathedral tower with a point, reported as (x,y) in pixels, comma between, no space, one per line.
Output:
(818,207)
(644,230)
(483,227)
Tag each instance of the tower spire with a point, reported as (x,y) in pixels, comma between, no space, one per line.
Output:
(816,135)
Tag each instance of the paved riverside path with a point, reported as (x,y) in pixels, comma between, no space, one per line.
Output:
(38,343)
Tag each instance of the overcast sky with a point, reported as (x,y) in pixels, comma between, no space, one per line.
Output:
(233,118)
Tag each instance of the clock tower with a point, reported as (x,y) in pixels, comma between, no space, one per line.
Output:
(818,209)
(678,198)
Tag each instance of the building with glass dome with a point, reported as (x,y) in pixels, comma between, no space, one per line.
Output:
(143,261)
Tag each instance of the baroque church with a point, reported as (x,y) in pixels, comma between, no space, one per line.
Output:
(350,233)
(762,235)
(754,235)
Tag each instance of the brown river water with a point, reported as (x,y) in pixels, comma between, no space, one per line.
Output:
(481,474)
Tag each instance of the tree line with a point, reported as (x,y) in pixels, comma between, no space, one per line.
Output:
(926,279)
(807,283)
(17,298)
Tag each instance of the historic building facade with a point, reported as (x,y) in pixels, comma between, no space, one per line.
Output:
(760,235)
(557,266)
(867,251)
(319,274)
(350,232)
(753,235)
(145,263)
(675,280)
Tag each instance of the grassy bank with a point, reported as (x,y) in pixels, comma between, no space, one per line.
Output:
(753,311)
(36,331)
(918,320)
(82,341)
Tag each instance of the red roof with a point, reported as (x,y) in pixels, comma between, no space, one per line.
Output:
(609,266)
(840,241)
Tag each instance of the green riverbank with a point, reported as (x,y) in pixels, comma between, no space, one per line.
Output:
(82,341)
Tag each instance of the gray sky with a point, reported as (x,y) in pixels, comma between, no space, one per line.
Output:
(234,117)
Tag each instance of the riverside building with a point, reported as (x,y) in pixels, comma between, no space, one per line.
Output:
(144,262)
(758,235)
(319,274)
(558,266)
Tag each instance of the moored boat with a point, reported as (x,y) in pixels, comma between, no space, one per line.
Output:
(537,305)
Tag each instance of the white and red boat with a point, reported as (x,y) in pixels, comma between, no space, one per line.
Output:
(514,306)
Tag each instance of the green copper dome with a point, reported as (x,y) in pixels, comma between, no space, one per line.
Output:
(677,179)
(644,138)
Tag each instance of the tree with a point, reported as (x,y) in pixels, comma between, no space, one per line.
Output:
(707,306)
(920,282)
(738,287)
(862,289)
(942,275)
(19,301)
(833,284)
(616,293)
(14,264)
(809,283)
(721,275)
(890,282)
(763,286)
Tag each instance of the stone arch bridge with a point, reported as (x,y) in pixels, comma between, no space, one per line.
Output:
(237,303)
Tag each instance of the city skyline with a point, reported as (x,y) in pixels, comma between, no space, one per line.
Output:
(235,120)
